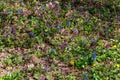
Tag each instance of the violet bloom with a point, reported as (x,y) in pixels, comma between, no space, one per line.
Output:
(94,56)
(50,5)
(31,34)
(13,31)
(6,36)
(57,12)
(2,31)
(52,51)
(9,11)
(24,68)
(86,76)
(42,7)
(63,45)
(47,69)
(94,39)
(20,11)
(19,50)
(36,46)
(58,27)
(64,70)
(42,78)
(81,8)
(106,34)
(75,31)
(69,23)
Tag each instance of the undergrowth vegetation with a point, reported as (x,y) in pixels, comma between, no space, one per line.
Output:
(59,40)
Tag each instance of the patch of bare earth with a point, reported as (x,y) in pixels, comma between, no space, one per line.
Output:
(3,71)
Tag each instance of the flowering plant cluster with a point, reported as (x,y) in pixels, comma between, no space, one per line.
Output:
(59,40)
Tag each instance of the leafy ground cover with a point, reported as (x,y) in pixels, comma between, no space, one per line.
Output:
(59,40)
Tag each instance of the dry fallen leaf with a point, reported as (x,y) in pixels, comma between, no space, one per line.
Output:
(68,13)
(35,60)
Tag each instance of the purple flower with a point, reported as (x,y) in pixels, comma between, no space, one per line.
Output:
(6,36)
(94,39)
(31,34)
(20,11)
(36,46)
(47,69)
(106,34)
(63,45)
(64,70)
(2,31)
(42,7)
(42,78)
(13,31)
(57,12)
(19,50)
(58,27)
(69,23)
(24,68)
(86,76)
(75,31)
(9,11)
(94,56)
(52,50)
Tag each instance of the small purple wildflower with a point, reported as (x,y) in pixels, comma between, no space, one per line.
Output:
(20,11)
(24,68)
(19,50)
(75,31)
(63,45)
(94,56)
(14,39)
(42,7)
(94,39)
(52,50)
(64,70)
(42,78)
(106,34)
(36,46)
(57,12)
(47,69)
(6,36)
(13,31)
(2,31)
(58,27)
(86,76)
(9,11)
(69,23)
(31,34)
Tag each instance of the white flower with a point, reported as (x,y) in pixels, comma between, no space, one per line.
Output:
(30,66)
(56,2)
(50,5)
